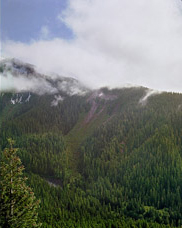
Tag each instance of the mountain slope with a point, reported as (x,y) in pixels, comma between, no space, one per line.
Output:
(102,158)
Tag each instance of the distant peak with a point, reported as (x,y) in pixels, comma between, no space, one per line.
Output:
(24,77)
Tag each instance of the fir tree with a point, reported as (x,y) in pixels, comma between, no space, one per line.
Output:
(18,205)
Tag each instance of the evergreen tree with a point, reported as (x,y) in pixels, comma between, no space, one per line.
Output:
(18,205)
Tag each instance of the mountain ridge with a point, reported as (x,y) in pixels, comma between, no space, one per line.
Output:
(55,84)
(12,70)
(104,158)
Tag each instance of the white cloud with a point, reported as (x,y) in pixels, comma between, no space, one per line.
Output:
(44,32)
(149,93)
(21,84)
(116,42)
(57,99)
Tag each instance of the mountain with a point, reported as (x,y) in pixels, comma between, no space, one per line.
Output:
(22,77)
(95,158)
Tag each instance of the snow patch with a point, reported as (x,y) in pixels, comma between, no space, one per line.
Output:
(17,99)
(12,101)
(28,98)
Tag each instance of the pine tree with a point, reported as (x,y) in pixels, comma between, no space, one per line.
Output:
(18,205)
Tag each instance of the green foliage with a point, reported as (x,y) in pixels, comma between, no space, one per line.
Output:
(18,205)
(122,168)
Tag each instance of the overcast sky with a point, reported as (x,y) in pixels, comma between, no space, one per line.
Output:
(108,42)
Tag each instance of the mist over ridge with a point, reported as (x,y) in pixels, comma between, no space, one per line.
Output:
(18,76)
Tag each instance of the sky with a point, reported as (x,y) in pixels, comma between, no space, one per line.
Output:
(102,43)
(23,20)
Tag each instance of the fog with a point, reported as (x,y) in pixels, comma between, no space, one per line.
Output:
(21,84)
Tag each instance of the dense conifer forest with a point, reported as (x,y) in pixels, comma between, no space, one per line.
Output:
(105,159)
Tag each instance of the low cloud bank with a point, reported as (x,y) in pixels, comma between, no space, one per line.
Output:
(22,84)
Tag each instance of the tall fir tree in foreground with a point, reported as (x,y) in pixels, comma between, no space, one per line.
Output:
(18,205)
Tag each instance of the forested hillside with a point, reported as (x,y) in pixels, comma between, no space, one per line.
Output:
(104,158)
